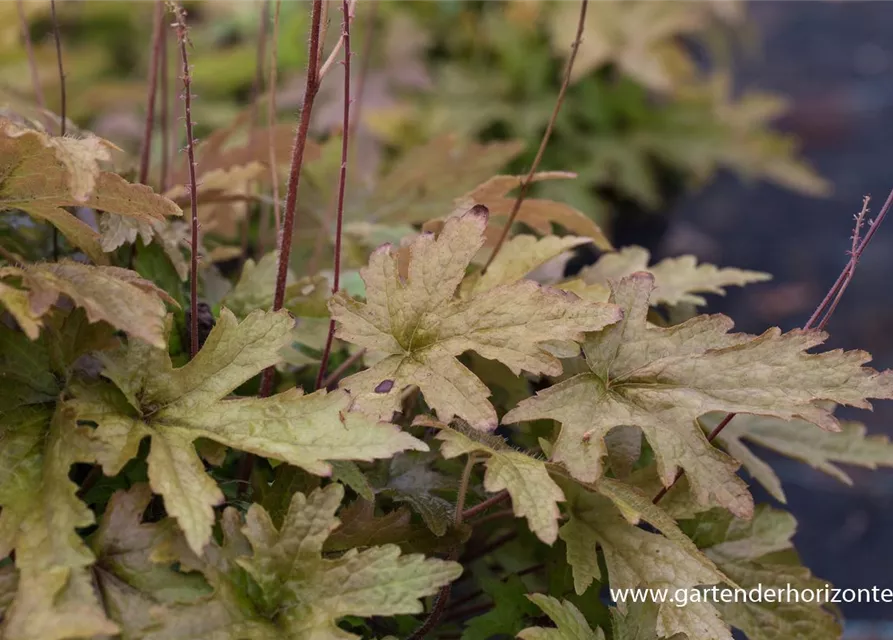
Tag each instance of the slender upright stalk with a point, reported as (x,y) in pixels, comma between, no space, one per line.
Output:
(58,39)
(183,39)
(29,51)
(294,178)
(342,180)
(166,130)
(525,184)
(271,122)
(157,38)
(827,306)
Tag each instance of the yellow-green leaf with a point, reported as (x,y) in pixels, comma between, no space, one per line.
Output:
(420,327)
(662,380)
(676,280)
(535,496)
(312,592)
(800,440)
(176,406)
(570,623)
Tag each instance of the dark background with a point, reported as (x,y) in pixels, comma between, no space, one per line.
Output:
(834,60)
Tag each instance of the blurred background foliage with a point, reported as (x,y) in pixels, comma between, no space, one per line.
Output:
(651,114)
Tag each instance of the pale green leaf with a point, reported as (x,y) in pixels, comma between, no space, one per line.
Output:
(570,623)
(662,380)
(40,517)
(535,496)
(311,592)
(421,327)
(759,554)
(636,558)
(802,441)
(176,406)
(676,280)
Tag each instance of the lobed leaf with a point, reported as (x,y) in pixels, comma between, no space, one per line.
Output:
(662,380)
(420,328)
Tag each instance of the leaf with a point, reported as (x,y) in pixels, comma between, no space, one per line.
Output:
(759,554)
(421,328)
(521,255)
(641,39)
(676,280)
(414,487)
(570,623)
(800,440)
(536,213)
(414,190)
(535,495)
(639,559)
(149,598)
(117,296)
(511,606)
(176,406)
(290,570)
(41,174)
(41,512)
(25,375)
(17,303)
(639,623)
(662,380)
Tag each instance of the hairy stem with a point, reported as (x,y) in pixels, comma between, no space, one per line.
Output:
(29,51)
(827,306)
(183,39)
(493,500)
(525,184)
(294,177)
(342,180)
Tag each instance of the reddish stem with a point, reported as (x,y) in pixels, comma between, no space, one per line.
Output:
(183,38)
(157,38)
(525,184)
(342,180)
(829,303)
(294,177)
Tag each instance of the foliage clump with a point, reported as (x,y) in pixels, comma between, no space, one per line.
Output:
(428,434)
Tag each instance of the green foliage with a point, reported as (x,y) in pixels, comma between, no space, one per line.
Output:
(150,495)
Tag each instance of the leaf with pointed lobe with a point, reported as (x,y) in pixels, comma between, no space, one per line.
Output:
(661,380)
(421,327)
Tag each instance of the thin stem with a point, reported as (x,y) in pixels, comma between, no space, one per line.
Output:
(294,179)
(498,498)
(827,306)
(525,184)
(342,40)
(365,65)
(344,366)
(29,51)
(58,39)
(183,39)
(157,38)
(463,488)
(271,121)
(166,131)
(342,181)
